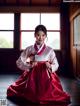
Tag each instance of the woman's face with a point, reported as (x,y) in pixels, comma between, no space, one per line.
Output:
(40,37)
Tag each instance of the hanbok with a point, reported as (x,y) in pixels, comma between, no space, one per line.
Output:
(39,84)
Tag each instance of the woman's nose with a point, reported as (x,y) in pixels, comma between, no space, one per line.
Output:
(40,37)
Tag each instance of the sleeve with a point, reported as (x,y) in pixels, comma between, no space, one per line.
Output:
(21,62)
(54,61)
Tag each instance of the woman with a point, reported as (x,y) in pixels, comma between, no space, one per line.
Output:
(39,82)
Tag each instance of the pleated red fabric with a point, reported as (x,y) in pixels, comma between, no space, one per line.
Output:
(39,86)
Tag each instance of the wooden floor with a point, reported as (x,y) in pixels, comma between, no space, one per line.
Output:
(70,85)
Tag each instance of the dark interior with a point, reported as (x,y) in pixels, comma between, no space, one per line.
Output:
(69,54)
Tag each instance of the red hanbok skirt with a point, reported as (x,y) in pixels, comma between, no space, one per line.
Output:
(39,86)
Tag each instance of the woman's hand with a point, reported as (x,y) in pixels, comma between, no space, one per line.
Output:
(31,62)
(30,59)
(48,64)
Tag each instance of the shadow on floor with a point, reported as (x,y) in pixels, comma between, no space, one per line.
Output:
(70,85)
(20,102)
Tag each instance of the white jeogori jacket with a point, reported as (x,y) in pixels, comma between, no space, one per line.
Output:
(47,54)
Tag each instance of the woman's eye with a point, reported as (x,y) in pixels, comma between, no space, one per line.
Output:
(43,35)
(38,35)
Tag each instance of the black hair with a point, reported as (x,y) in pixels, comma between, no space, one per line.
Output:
(41,28)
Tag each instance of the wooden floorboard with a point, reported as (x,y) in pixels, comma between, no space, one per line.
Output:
(70,85)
